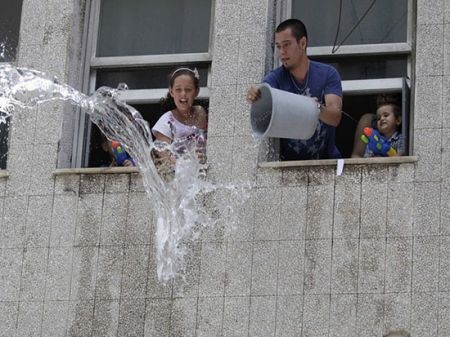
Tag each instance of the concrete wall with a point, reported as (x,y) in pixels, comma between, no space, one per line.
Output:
(312,254)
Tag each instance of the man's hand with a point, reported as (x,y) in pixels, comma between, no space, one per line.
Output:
(253,94)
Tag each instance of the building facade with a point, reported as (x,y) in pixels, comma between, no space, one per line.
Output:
(311,253)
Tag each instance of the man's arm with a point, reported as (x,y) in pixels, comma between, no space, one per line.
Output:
(331,112)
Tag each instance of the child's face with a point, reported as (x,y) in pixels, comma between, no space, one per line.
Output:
(387,123)
(183,92)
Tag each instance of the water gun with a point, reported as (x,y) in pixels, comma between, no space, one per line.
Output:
(120,155)
(377,143)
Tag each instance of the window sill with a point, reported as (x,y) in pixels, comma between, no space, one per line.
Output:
(96,170)
(3,174)
(333,162)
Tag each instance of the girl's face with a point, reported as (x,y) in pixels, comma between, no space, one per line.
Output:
(387,123)
(183,92)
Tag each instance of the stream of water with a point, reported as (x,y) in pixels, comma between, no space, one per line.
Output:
(177,203)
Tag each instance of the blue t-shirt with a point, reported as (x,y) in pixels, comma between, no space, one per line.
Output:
(321,79)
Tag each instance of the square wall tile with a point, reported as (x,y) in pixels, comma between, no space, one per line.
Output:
(30,318)
(319,212)
(316,315)
(8,318)
(157,318)
(371,266)
(425,264)
(262,316)
(131,317)
(236,317)
(106,318)
(10,271)
(212,272)
(210,314)
(293,211)
(58,274)
(400,210)
(343,315)
(317,274)
(344,274)
(64,219)
(429,49)
(80,320)
(135,272)
(109,273)
(84,273)
(398,265)
(264,268)
(238,269)
(32,284)
(428,148)
(426,208)
(373,210)
(89,219)
(289,316)
(290,268)
(54,321)
(424,317)
(267,214)
(370,315)
(397,311)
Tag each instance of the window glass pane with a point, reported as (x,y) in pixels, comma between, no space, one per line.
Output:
(150,27)
(384,23)
(10,13)
(144,78)
(368,67)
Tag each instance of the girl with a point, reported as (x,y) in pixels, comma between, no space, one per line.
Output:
(183,120)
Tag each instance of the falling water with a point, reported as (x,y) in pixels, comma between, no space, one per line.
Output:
(176,203)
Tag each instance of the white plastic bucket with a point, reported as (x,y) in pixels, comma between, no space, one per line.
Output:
(281,114)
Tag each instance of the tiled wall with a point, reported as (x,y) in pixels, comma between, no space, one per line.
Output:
(309,253)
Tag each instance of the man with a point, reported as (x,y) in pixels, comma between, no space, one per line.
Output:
(300,75)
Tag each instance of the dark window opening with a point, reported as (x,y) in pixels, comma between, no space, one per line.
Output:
(10,14)
(355,106)
(98,157)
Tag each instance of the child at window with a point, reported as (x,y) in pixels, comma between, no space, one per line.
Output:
(107,147)
(183,122)
(387,121)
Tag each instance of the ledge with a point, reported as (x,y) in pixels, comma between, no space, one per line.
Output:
(4,174)
(95,170)
(333,162)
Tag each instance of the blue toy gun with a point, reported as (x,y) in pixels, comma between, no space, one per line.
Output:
(120,155)
(377,143)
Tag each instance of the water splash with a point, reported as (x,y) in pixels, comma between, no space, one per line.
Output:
(177,202)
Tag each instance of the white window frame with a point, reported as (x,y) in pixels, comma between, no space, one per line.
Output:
(367,86)
(80,152)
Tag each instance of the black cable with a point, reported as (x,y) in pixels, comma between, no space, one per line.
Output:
(353,28)
(338,27)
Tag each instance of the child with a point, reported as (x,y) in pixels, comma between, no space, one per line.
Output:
(183,120)
(107,147)
(388,121)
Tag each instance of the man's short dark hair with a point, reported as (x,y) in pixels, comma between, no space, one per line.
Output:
(297,27)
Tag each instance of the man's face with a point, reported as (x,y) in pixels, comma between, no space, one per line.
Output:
(290,51)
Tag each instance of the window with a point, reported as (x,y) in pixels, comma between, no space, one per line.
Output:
(10,14)
(139,42)
(369,43)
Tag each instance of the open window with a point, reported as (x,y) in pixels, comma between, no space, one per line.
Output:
(139,43)
(369,43)
(10,15)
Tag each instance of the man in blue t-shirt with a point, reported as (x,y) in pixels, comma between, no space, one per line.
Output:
(300,75)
